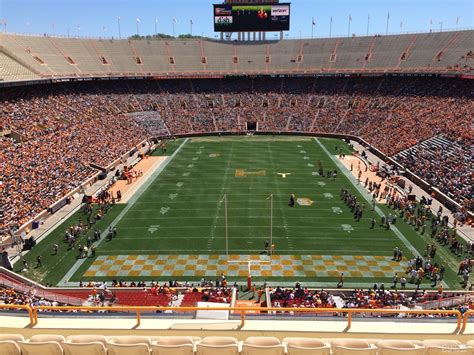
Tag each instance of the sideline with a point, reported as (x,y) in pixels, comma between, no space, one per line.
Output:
(368,198)
(148,180)
(366,195)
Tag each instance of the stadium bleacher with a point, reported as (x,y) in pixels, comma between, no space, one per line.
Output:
(428,52)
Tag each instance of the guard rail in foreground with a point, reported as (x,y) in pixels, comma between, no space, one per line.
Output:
(461,323)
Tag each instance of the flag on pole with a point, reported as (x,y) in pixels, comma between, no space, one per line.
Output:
(388,15)
(350,18)
(138,20)
(313,22)
(175,20)
(457,20)
(191,22)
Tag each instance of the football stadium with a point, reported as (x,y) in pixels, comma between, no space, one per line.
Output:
(245,192)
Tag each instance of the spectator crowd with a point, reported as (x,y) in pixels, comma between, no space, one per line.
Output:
(52,134)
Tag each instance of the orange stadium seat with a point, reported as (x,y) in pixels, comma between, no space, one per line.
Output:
(353,346)
(395,346)
(86,348)
(262,346)
(9,347)
(43,348)
(303,346)
(218,346)
(173,346)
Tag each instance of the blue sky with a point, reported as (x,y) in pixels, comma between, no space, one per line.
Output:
(99,17)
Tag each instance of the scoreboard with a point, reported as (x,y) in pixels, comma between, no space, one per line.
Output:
(251,18)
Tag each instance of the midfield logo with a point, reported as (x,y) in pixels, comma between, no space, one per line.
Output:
(245,173)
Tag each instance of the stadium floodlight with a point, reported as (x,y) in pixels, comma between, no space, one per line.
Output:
(368,23)
(349,26)
(330,27)
(174,22)
(118,23)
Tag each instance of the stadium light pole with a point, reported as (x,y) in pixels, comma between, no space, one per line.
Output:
(174,23)
(138,26)
(368,21)
(388,19)
(191,26)
(330,27)
(349,26)
(119,32)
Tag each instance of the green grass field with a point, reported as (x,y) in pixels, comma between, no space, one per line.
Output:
(175,227)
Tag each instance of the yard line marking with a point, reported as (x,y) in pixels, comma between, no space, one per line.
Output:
(238,226)
(149,180)
(222,190)
(368,198)
(260,202)
(248,251)
(314,238)
(277,181)
(241,216)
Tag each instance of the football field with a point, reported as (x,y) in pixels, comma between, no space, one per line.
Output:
(219,198)
(216,200)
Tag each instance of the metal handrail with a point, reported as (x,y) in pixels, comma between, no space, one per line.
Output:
(464,320)
(18,306)
(243,311)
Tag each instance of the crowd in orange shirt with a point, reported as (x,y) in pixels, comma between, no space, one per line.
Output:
(58,130)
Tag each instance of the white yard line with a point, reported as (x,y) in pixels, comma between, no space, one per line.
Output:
(212,232)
